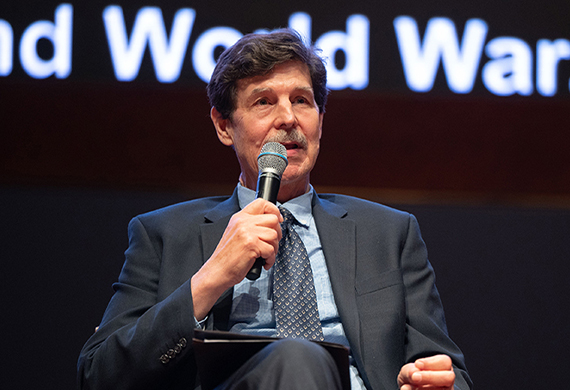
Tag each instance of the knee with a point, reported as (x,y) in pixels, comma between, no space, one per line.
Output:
(296,347)
(285,365)
(301,354)
(302,364)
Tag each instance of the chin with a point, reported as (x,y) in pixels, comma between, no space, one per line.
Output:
(294,179)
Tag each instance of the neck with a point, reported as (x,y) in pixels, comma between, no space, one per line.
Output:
(287,190)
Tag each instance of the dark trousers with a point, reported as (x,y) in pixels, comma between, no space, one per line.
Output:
(287,364)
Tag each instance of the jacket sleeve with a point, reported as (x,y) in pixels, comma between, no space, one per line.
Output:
(426,330)
(142,342)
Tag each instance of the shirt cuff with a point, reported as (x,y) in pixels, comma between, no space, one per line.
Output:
(200,324)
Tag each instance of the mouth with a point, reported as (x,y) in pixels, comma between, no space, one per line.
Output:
(291,145)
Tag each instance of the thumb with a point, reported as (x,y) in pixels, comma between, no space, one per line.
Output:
(405,375)
(261,206)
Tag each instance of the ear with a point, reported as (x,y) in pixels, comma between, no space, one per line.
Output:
(223,127)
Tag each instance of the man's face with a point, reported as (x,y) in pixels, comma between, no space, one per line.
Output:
(278,107)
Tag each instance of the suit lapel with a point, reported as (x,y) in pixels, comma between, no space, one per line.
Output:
(216,221)
(212,230)
(338,238)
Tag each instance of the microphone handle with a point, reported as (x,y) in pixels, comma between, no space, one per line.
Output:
(255,270)
(267,188)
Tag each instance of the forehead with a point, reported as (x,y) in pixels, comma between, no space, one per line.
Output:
(289,75)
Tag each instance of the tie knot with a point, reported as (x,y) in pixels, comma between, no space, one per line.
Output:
(288,218)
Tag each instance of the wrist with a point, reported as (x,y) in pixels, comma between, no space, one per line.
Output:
(206,290)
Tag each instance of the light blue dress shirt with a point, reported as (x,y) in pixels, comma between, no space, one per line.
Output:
(252,306)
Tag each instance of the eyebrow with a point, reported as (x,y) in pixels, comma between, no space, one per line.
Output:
(257,91)
(307,89)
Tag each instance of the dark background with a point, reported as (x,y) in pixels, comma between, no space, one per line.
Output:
(487,177)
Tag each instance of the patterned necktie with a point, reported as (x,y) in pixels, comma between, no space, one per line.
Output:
(294,297)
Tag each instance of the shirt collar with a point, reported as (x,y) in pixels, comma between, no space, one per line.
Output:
(300,207)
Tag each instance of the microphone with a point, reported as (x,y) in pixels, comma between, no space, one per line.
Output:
(271,163)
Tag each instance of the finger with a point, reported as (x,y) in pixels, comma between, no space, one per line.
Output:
(264,226)
(262,206)
(273,238)
(264,221)
(270,235)
(255,207)
(247,238)
(268,229)
(267,252)
(410,387)
(433,378)
(405,374)
(269,262)
(434,363)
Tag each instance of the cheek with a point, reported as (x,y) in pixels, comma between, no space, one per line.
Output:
(314,139)
(315,127)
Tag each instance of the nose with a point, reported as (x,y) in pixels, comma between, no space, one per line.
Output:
(285,117)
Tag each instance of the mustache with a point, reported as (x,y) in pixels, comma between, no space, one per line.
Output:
(294,136)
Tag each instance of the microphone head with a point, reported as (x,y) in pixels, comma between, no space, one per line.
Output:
(273,158)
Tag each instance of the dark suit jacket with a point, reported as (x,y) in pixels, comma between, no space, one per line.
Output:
(381,278)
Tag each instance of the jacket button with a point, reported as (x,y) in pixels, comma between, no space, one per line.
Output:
(182,342)
(164,359)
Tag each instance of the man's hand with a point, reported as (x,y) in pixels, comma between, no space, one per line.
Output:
(252,232)
(435,372)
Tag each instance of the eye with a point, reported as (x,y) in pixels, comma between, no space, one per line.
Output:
(301,100)
(262,102)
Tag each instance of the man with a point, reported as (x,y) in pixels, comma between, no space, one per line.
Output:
(186,264)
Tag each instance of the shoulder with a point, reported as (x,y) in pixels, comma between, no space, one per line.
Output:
(369,217)
(362,208)
(191,212)
(199,205)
